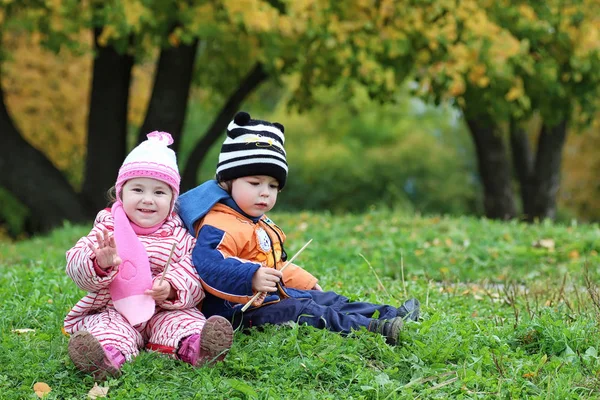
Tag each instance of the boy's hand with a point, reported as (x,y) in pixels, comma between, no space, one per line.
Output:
(317,287)
(161,291)
(266,279)
(106,252)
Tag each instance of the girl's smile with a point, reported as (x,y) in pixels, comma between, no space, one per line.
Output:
(146,201)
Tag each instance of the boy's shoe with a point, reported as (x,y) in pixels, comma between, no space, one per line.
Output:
(410,309)
(390,328)
(210,346)
(90,356)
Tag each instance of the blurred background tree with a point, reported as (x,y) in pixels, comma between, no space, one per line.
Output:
(83,82)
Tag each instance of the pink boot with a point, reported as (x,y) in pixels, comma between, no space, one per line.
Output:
(211,345)
(90,356)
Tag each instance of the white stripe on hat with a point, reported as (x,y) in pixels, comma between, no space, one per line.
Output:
(257,128)
(252,138)
(251,162)
(252,153)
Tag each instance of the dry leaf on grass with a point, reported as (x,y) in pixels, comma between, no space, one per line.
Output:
(23,330)
(41,389)
(98,391)
(545,243)
(574,255)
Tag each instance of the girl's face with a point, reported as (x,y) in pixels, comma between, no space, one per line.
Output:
(146,201)
(255,195)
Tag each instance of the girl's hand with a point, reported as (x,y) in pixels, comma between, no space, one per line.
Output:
(106,252)
(317,287)
(266,279)
(161,291)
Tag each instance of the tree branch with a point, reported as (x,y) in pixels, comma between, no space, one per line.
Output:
(254,78)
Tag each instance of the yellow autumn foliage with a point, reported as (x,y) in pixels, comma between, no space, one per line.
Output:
(47,96)
(134,12)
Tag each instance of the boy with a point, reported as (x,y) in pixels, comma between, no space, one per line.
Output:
(239,251)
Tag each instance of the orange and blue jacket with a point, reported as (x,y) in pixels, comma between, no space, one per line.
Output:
(231,246)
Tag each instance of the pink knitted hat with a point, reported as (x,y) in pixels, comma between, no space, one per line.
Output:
(151,159)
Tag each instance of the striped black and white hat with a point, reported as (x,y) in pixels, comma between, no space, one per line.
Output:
(253,147)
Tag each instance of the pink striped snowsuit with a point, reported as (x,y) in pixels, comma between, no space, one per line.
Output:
(173,319)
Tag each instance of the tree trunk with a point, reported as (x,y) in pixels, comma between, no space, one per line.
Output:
(494,169)
(172,82)
(523,166)
(254,78)
(34,180)
(107,122)
(547,171)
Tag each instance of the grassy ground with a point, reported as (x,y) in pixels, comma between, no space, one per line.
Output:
(509,311)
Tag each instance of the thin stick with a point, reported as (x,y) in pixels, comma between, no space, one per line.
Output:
(167,266)
(402,270)
(377,276)
(253,299)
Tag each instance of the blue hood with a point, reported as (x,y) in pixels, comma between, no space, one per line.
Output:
(194,204)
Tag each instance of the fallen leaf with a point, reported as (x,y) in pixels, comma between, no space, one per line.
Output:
(573,255)
(98,391)
(545,243)
(359,228)
(529,375)
(41,389)
(23,330)
(64,332)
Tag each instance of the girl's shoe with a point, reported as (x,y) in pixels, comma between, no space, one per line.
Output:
(210,346)
(90,356)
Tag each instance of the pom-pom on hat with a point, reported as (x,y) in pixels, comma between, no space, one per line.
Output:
(151,159)
(253,147)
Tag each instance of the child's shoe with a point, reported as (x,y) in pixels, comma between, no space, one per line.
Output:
(210,346)
(90,356)
(390,328)
(410,309)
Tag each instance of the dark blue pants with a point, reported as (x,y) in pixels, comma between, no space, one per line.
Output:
(326,310)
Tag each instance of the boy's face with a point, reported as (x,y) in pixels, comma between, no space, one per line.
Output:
(255,195)
(146,201)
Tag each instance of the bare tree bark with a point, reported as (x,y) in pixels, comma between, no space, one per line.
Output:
(169,100)
(107,122)
(540,178)
(547,170)
(252,80)
(34,180)
(522,157)
(494,169)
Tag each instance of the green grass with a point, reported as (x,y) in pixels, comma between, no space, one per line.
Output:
(501,317)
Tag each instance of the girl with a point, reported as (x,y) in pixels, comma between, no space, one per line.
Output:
(132,302)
